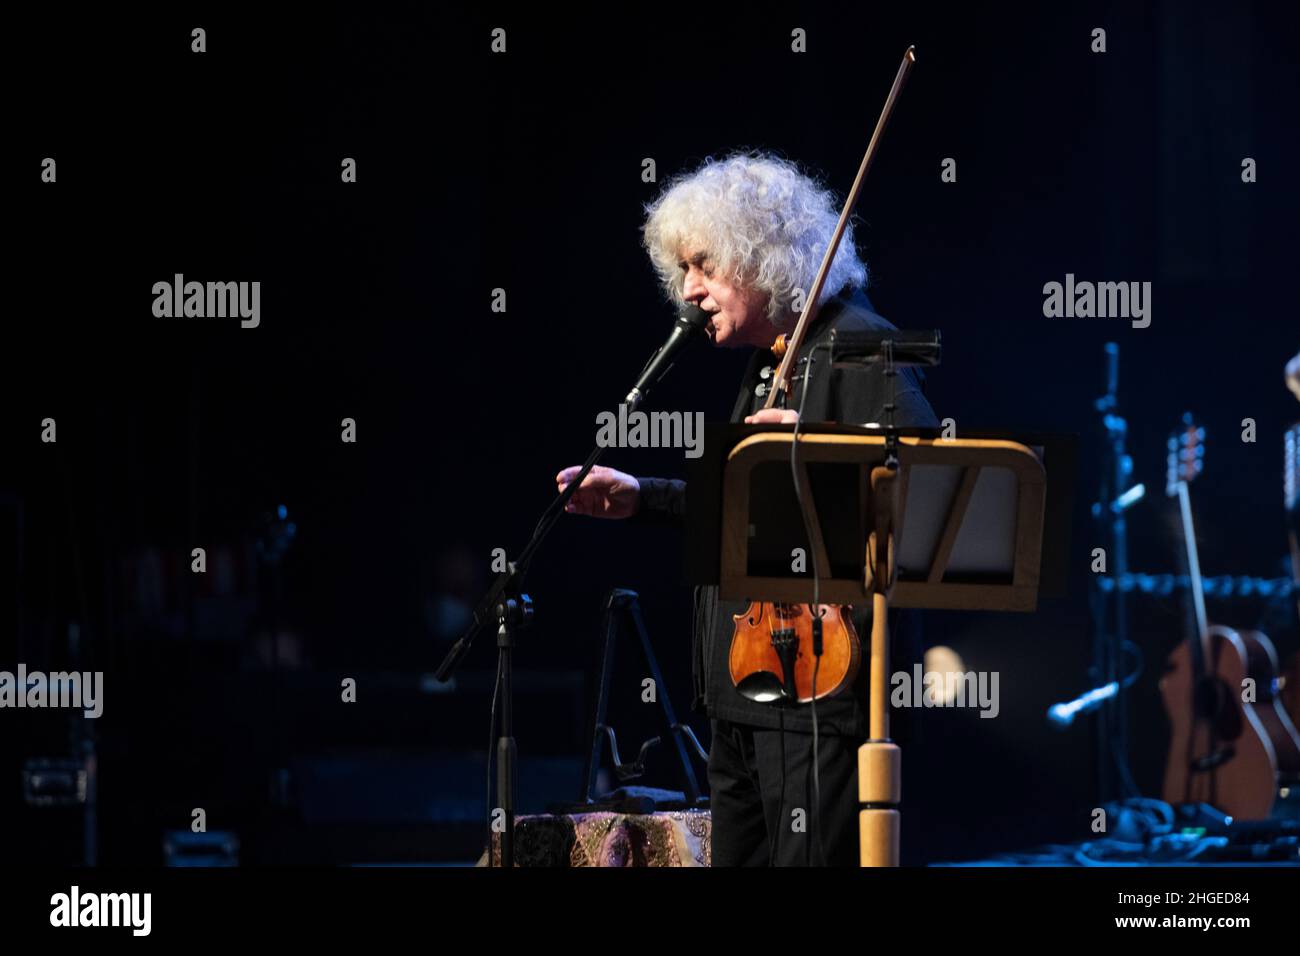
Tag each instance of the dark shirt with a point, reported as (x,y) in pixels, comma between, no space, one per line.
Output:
(851,396)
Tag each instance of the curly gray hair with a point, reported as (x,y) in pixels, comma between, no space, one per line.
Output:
(761,219)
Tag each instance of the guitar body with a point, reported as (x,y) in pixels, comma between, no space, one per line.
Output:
(771,652)
(1222,751)
(1291,689)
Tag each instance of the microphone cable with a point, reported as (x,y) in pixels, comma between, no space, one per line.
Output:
(815,816)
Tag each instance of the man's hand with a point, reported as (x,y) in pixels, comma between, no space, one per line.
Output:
(604,493)
(773,416)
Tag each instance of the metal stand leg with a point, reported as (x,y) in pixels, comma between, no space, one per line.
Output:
(511,614)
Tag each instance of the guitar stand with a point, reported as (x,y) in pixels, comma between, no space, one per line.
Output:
(622,607)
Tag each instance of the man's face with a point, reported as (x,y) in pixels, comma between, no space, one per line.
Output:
(738,313)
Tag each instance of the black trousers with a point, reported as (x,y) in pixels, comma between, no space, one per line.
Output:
(756,822)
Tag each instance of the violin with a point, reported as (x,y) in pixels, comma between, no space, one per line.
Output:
(771,652)
(775,648)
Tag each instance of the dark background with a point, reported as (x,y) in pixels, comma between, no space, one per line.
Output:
(523,171)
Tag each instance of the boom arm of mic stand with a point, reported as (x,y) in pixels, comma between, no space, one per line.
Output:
(509,581)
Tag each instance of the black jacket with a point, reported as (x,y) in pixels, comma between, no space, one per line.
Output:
(847,396)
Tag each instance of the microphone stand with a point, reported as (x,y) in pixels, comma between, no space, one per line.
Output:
(1110,613)
(512,610)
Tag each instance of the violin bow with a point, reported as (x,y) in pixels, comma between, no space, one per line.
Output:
(788,349)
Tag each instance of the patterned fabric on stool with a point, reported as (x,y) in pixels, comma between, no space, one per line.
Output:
(673,838)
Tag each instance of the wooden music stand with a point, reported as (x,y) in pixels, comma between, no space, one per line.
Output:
(973,514)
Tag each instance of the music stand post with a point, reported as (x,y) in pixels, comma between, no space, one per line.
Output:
(975,510)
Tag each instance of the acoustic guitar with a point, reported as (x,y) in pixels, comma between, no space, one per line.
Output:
(1231,745)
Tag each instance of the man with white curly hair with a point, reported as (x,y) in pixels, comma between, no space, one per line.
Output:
(741,238)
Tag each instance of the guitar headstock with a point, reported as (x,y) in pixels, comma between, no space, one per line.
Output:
(1186,454)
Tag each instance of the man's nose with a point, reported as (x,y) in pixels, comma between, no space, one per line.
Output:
(693,290)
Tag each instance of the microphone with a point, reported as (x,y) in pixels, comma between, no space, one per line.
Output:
(1062,715)
(689,324)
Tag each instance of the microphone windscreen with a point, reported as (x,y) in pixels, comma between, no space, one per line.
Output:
(695,317)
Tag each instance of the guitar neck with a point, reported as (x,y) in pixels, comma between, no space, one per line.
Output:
(1194,572)
(1291,501)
